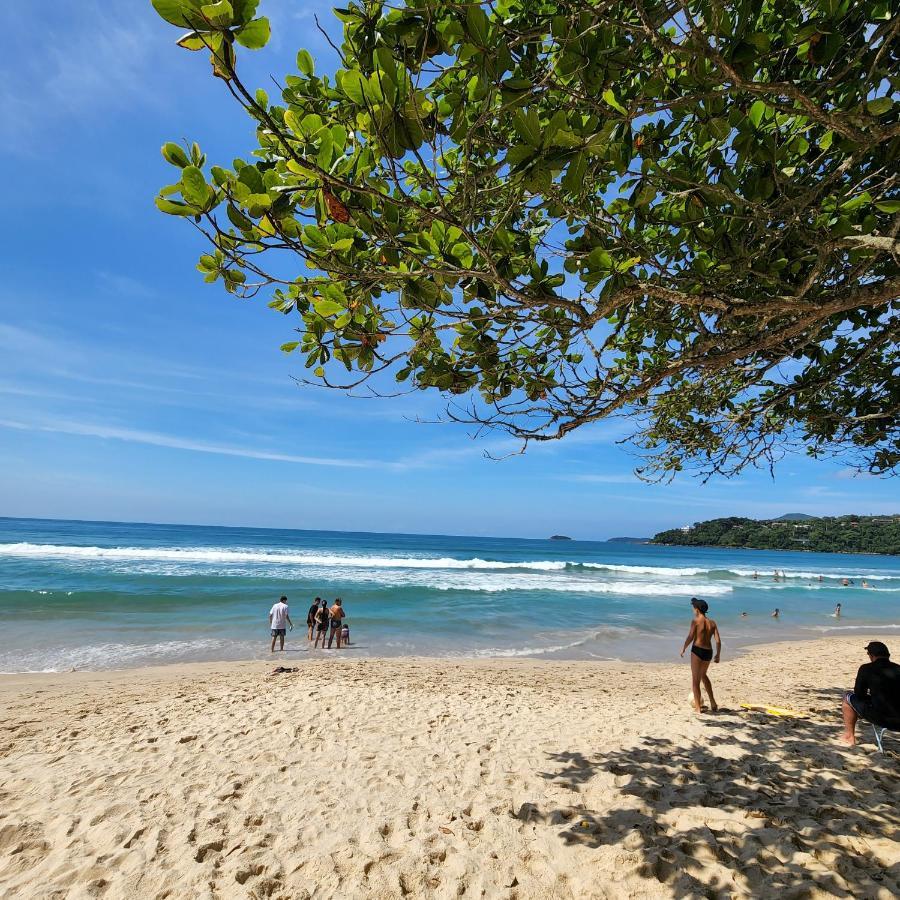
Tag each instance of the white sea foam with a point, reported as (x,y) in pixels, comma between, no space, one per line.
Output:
(116,655)
(671,571)
(235,557)
(598,634)
(492,582)
(216,555)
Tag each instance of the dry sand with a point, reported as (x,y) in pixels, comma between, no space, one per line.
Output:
(435,778)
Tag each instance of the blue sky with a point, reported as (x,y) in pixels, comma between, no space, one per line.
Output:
(130,390)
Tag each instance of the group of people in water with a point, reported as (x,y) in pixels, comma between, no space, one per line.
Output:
(322,621)
(780,576)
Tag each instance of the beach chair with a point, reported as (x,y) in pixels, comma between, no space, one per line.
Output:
(879,735)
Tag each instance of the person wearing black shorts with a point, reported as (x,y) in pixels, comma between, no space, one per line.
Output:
(311,618)
(703,631)
(876,694)
(322,617)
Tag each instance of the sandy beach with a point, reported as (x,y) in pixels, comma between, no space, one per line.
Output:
(442,778)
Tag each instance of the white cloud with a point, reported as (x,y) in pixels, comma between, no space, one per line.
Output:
(175,442)
(851,474)
(70,66)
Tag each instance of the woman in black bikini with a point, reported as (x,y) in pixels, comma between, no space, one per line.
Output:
(702,632)
(321,625)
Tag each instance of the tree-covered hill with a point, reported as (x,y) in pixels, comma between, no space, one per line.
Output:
(843,534)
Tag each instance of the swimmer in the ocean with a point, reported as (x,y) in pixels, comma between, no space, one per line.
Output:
(837,611)
(776,613)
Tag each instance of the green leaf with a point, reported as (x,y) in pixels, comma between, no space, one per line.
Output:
(173,154)
(756,113)
(244,10)
(257,204)
(174,208)
(237,218)
(315,237)
(180,12)
(880,106)
(194,40)
(528,127)
(463,252)
(327,307)
(220,13)
(254,35)
(194,187)
(477,24)
(888,206)
(290,346)
(611,99)
(352,84)
(305,62)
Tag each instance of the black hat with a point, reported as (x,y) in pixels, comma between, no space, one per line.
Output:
(702,605)
(876,648)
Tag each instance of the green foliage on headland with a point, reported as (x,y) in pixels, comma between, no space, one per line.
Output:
(842,534)
(554,211)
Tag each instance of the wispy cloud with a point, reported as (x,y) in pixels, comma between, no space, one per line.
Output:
(72,66)
(624,478)
(124,285)
(176,442)
(851,474)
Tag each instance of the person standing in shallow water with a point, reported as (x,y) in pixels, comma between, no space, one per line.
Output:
(337,614)
(311,618)
(278,619)
(702,632)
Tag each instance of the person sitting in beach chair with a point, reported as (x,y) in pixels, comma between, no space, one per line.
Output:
(875,696)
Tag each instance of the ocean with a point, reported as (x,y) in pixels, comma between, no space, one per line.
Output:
(98,595)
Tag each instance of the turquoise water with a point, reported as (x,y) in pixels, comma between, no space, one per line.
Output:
(108,595)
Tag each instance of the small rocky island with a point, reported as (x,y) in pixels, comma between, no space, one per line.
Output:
(560,537)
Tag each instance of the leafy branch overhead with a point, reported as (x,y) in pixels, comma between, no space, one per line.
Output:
(558,211)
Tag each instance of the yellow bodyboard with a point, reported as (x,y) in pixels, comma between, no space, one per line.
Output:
(773,710)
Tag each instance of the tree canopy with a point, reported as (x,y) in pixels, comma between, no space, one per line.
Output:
(556,211)
(829,534)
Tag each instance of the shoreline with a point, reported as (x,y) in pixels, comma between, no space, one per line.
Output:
(735,648)
(174,671)
(431,778)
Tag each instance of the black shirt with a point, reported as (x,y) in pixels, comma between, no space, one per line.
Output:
(311,615)
(878,683)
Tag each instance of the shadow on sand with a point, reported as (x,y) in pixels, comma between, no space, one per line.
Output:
(763,806)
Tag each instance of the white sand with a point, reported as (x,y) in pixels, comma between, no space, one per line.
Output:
(431,778)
